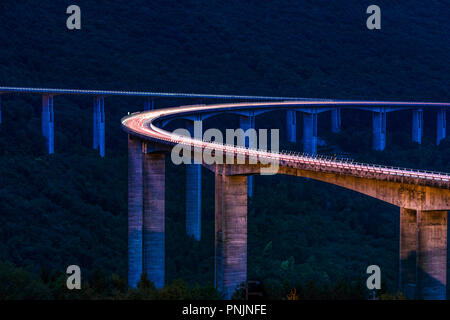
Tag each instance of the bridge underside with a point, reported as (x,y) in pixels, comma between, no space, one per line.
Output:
(403,195)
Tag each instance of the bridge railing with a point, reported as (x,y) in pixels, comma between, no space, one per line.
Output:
(372,167)
(321,160)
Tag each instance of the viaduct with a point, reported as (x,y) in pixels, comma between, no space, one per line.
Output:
(422,196)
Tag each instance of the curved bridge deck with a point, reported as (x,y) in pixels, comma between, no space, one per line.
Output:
(423,196)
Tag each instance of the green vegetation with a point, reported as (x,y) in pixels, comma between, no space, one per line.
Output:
(71,207)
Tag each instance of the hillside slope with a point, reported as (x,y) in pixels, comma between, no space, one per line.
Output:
(70,208)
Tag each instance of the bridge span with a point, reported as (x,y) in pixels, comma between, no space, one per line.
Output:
(422,196)
(309,140)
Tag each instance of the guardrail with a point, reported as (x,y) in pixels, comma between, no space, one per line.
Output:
(320,160)
(60,91)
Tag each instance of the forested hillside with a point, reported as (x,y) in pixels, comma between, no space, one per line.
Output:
(71,207)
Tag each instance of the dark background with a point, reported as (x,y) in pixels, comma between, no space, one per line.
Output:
(71,207)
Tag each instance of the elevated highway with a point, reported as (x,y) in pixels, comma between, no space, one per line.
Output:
(422,196)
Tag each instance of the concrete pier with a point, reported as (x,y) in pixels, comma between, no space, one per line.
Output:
(99,125)
(336,120)
(423,254)
(135,211)
(47,122)
(194,201)
(194,190)
(408,253)
(149,104)
(153,217)
(379,130)
(291,126)
(245,123)
(417,125)
(441,125)
(432,255)
(310,133)
(230,233)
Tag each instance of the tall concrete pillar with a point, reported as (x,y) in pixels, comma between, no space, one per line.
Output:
(408,253)
(291,126)
(135,211)
(432,255)
(423,254)
(245,123)
(194,190)
(149,104)
(153,218)
(336,120)
(47,122)
(417,125)
(99,125)
(95,125)
(230,233)
(379,130)
(441,126)
(310,133)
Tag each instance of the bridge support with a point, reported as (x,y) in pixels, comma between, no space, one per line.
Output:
(379,130)
(441,126)
(153,218)
(194,190)
(336,120)
(417,125)
(149,104)
(291,126)
(310,133)
(146,197)
(245,123)
(423,254)
(47,122)
(230,233)
(135,211)
(99,125)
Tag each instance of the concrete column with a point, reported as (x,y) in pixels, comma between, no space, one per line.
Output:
(194,190)
(230,233)
(417,125)
(153,218)
(218,232)
(47,122)
(245,123)
(336,120)
(135,211)
(408,251)
(432,255)
(99,125)
(423,254)
(441,126)
(379,130)
(291,126)
(310,133)
(149,104)
(95,124)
